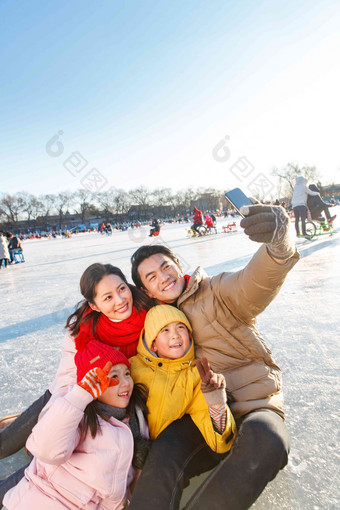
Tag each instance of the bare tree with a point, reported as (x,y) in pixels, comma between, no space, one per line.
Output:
(83,199)
(12,206)
(105,201)
(160,196)
(141,196)
(122,201)
(288,174)
(208,199)
(63,201)
(184,199)
(47,203)
(31,205)
(214,198)
(2,214)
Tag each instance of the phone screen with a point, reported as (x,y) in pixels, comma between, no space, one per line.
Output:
(237,199)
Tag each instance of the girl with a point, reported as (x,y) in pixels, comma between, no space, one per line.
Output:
(87,461)
(113,312)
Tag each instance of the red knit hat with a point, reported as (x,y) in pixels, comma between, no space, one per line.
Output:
(96,354)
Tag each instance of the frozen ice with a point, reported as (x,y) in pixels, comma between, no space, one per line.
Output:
(301,326)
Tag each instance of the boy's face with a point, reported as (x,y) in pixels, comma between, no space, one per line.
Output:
(172,342)
(161,278)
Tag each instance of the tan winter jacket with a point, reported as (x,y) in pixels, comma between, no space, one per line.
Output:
(222,311)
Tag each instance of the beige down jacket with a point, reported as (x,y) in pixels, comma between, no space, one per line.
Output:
(222,311)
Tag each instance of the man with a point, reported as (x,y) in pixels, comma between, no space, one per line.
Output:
(197,221)
(14,245)
(222,311)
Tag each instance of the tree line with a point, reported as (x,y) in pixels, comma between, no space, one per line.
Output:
(108,204)
(118,202)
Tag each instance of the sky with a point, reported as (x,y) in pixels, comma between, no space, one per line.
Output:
(118,94)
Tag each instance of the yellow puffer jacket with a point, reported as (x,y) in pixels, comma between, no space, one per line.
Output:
(175,390)
(222,311)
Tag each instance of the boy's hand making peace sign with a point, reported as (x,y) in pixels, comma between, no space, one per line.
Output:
(213,385)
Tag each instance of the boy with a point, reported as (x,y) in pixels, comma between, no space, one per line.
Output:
(165,364)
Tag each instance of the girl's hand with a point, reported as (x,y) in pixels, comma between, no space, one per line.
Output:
(209,378)
(97,380)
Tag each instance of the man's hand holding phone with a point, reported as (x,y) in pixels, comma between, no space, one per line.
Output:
(264,224)
(269,224)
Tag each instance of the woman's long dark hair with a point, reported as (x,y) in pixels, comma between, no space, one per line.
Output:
(90,421)
(88,283)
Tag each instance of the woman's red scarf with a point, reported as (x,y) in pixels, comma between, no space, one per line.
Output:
(122,335)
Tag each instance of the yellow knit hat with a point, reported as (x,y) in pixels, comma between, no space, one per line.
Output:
(158,317)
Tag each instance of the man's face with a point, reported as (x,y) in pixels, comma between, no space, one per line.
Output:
(161,278)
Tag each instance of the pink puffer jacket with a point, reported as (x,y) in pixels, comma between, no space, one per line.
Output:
(66,375)
(71,473)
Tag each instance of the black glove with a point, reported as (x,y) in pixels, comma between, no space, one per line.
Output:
(141,451)
(270,225)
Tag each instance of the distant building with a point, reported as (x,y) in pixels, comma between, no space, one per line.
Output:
(332,190)
(209,202)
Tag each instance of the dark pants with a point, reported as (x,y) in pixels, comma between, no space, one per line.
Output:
(326,211)
(14,436)
(11,253)
(317,213)
(5,261)
(196,227)
(259,451)
(10,482)
(300,212)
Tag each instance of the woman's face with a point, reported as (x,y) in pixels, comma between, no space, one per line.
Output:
(118,396)
(113,298)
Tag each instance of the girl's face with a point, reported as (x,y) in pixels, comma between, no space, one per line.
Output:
(118,396)
(113,298)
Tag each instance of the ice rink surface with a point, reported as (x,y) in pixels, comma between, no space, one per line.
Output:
(301,326)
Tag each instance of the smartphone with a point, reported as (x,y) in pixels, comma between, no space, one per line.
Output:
(237,199)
